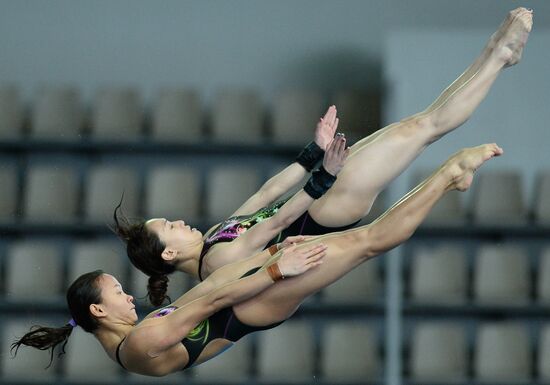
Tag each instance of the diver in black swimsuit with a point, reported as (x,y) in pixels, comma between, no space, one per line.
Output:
(372,164)
(240,298)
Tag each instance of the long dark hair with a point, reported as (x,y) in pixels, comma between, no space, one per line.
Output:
(144,250)
(81,294)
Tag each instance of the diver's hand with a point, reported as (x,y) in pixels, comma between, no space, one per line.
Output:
(297,260)
(336,155)
(326,128)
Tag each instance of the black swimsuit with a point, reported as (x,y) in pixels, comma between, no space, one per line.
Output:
(222,324)
(233,227)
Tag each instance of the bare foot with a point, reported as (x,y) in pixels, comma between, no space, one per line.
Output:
(508,41)
(495,37)
(464,164)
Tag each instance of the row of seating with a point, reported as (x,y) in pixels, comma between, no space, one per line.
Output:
(502,352)
(341,351)
(502,274)
(237,115)
(50,192)
(34,272)
(497,198)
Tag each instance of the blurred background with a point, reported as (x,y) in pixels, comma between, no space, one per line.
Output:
(189,106)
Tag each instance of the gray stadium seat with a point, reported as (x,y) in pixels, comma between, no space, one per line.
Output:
(86,360)
(8,192)
(237,116)
(104,188)
(448,211)
(51,194)
(33,271)
(359,113)
(228,187)
(172,193)
(502,353)
(117,115)
(361,285)
(439,353)
(233,365)
(439,275)
(11,113)
(280,167)
(57,114)
(501,275)
(177,116)
(542,199)
(106,255)
(349,353)
(295,115)
(544,354)
(286,353)
(543,277)
(498,199)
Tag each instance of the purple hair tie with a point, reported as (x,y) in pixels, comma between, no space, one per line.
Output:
(72,322)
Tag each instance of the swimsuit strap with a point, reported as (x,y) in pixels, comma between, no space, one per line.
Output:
(201,258)
(118,354)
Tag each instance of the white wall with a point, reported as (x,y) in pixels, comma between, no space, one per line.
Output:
(516,113)
(422,46)
(206,44)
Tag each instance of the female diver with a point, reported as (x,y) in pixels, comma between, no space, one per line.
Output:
(159,246)
(254,294)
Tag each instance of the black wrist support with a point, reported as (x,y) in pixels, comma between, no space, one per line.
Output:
(310,156)
(319,183)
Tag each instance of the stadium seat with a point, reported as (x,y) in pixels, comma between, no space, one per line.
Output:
(57,114)
(233,365)
(34,271)
(501,275)
(349,352)
(237,117)
(107,255)
(448,211)
(439,353)
(228,187)
(439,275)
(360,286)
(286,353)
(544,354)
(502,353)
(296,113)
(8,192)
(359,113)
(86,358)
(51,194)
(173,193)
(177,116)
(498,199)
(104,188)
(543,277)
(117,115)
(542,199)
(11,113)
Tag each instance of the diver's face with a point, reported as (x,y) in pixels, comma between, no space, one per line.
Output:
(115,302)
(174,234)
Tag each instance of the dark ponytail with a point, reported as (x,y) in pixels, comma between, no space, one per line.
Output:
(44,338)
(81,294)
(144,250)
(157,288)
